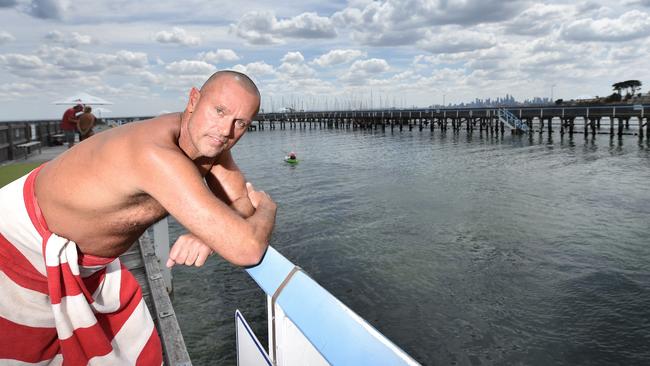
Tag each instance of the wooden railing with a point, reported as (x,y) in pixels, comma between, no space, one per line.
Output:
(16,133)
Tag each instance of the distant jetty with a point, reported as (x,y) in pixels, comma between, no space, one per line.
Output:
(615,120)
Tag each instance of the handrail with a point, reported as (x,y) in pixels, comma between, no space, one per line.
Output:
(339,334)
(507,117)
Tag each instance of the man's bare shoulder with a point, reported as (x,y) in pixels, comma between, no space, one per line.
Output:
(126,153)
(161,129)
(145,140)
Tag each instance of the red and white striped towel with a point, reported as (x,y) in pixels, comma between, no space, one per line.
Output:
(58,306)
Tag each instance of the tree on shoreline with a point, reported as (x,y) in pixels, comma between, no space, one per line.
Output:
(631,87)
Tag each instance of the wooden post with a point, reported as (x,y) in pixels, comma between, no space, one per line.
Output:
(640,129)
(620,127)
(593,125)
(10,140)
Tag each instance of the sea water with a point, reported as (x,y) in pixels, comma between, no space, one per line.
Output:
(465,249)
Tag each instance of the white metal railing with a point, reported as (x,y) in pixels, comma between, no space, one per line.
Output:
(306,324)
(511,120)
(309,326)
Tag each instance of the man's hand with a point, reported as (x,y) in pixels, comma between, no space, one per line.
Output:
(188,250)
(259,197)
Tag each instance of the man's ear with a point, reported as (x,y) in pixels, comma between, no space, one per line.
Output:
(193,99)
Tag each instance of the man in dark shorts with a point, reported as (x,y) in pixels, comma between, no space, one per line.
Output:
(69,124)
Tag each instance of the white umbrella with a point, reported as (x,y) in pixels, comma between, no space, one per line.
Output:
(83,98)
(101,111)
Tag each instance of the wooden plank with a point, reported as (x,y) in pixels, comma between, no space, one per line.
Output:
(29,144)
(175,352)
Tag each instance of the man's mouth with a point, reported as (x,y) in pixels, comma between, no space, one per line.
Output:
(218,140)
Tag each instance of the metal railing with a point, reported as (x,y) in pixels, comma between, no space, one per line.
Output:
(308,325)
(511,120)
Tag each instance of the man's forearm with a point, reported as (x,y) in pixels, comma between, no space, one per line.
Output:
(263,220)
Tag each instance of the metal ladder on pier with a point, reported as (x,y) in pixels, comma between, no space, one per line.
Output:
(511,120)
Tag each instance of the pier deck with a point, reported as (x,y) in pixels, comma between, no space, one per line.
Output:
(141,260)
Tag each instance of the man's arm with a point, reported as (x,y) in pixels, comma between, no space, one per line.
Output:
(227,182)
(173,180)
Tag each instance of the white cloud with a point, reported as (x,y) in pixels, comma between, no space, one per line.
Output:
(147,77)
(6,37)
(255,69)
(296,71)
(362,71)
(18,61)
(293,58)
(190,67)
(337,57)
(131,59)
(74,39)
(16,87)
(215,57)
(631,25)
(14,91)
(394,23)
(77,60)
(306,25)
(77,39)
(455,40)
(264,28)
(177,36)
(371,66)
(54,36)
(539,19)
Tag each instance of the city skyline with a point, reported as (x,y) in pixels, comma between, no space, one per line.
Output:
(145,56)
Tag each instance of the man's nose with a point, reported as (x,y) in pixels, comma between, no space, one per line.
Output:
(225,126)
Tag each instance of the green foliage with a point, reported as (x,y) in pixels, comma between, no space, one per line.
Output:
(615,97)
(631,85)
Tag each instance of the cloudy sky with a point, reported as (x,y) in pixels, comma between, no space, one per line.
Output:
(145,55)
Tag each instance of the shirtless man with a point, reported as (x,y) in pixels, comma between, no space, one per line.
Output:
(130,177)
(135,175)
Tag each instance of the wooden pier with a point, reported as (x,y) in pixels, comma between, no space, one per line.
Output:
(608,119)
(142,261)
(613,120)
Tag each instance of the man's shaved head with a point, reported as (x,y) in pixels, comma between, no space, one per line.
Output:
(240,78)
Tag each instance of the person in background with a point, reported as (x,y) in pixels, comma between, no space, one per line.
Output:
(86,123)
(292,155)
(69,124)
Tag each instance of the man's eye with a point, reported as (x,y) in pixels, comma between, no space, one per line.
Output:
(220,111)
(241,124)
